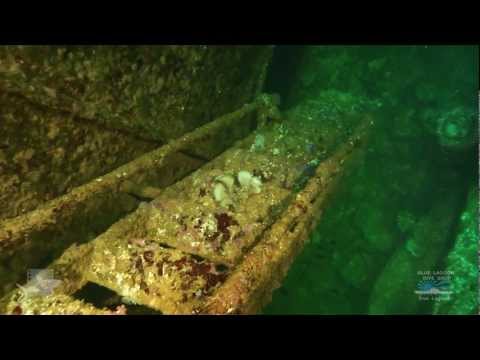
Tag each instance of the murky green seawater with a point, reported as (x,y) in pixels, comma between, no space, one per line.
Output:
(401,236)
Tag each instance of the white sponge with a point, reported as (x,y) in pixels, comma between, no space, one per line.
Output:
(249,182)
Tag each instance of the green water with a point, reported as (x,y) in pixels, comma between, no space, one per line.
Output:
(401,234)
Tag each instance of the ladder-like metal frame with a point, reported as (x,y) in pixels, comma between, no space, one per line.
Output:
(244,288)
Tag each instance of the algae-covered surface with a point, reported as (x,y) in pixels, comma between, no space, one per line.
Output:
(188,216)
(71,114)
(352,188)
(175,251)
(45,154)
(168,89)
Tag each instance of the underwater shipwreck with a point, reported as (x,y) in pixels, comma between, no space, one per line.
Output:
(238,180)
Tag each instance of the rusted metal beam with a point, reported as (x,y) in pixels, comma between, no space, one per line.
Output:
(251,284)
(153,258)
(33,239)
(57,214)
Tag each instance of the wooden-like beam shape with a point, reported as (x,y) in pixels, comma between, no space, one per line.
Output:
(251,284)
